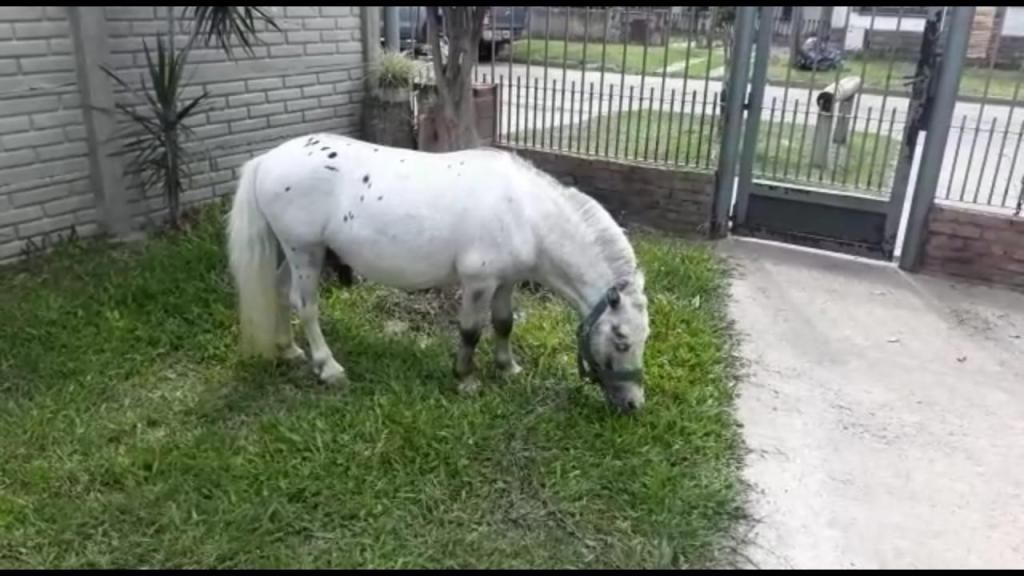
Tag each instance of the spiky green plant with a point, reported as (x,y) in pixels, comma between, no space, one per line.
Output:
(157,144)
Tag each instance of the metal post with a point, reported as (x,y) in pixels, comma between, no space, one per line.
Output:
(754,104)
(940,116)
(391,35)
(727,159)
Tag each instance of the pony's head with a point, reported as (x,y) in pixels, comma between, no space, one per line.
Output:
(611,344)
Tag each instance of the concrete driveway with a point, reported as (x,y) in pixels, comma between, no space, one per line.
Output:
(884,413)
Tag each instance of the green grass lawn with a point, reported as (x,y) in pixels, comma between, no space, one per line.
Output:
(572,54)
(875,70)
(664,137)
(133,436)
(876,73)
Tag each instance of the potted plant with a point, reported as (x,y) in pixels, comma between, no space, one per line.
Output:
(388,117)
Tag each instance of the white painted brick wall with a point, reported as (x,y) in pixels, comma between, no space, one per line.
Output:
(44,171)
(295,84)
(306,78)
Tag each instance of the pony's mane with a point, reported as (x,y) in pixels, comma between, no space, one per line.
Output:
(606,234)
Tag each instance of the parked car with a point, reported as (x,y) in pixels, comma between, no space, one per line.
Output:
(507,26)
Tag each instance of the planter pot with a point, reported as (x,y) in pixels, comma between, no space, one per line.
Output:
(388,118)
(485,108)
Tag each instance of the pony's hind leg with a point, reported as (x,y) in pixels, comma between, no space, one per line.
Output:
(472,319)
(285,342)
(502,319)
(305,298)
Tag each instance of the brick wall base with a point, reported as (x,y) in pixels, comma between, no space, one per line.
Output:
(975,245)
(666,199)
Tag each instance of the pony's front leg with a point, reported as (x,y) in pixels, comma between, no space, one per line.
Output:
(502,319)
(476,297)
(305,284)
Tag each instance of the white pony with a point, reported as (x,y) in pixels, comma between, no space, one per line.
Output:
(412,220)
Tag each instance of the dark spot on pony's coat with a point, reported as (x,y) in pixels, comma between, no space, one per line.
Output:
(315,142)
(361,197)
(344,218)
(331,168)
(379,198)
(402,161)
(463,163)
(366,179)
(376,149)
(325,148)
(332,155)
(477,296)
(287,188)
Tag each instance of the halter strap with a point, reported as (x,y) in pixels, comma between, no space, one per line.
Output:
(586,363)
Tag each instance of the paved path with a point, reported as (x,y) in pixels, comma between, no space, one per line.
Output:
(884,414)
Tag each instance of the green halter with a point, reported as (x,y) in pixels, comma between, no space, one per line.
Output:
(585,362)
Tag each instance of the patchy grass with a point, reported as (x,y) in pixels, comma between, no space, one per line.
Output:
(133,436)
(783,150)
(694,66)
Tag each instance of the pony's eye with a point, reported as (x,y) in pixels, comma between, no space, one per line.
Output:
(622,346)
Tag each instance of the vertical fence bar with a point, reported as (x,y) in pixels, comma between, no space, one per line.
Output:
(1009,178)
(529,59)
(600,87)
(671,118)
(519,114)
(711,132)
(546,63)
(981,115)
(1006,133)
(590,116)
(498,112)
(511,52)
(583,69)
(565,64)
(755,103)
(792,138)
(686,75)
(664,80)
(536,99)
(739,71)
(863,145)
(956,155)
(623,26)
(572,109)
(647,132)
(768,137)
(938,131)
(554,126)
(693,114)
(643,78)
(629,125)
(888,143)
(608,123)
(984,159)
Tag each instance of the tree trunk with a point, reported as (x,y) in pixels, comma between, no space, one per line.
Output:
(825,24)
(796,34)
(453,111)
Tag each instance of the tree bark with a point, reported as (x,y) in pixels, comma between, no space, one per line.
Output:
(825,24)
(453,111)
(796,34)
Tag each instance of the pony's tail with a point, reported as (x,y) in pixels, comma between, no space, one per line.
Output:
(252,249)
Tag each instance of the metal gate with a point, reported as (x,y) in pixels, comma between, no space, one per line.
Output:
(827,151)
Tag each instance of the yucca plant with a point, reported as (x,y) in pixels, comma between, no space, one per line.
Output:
(158,143)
